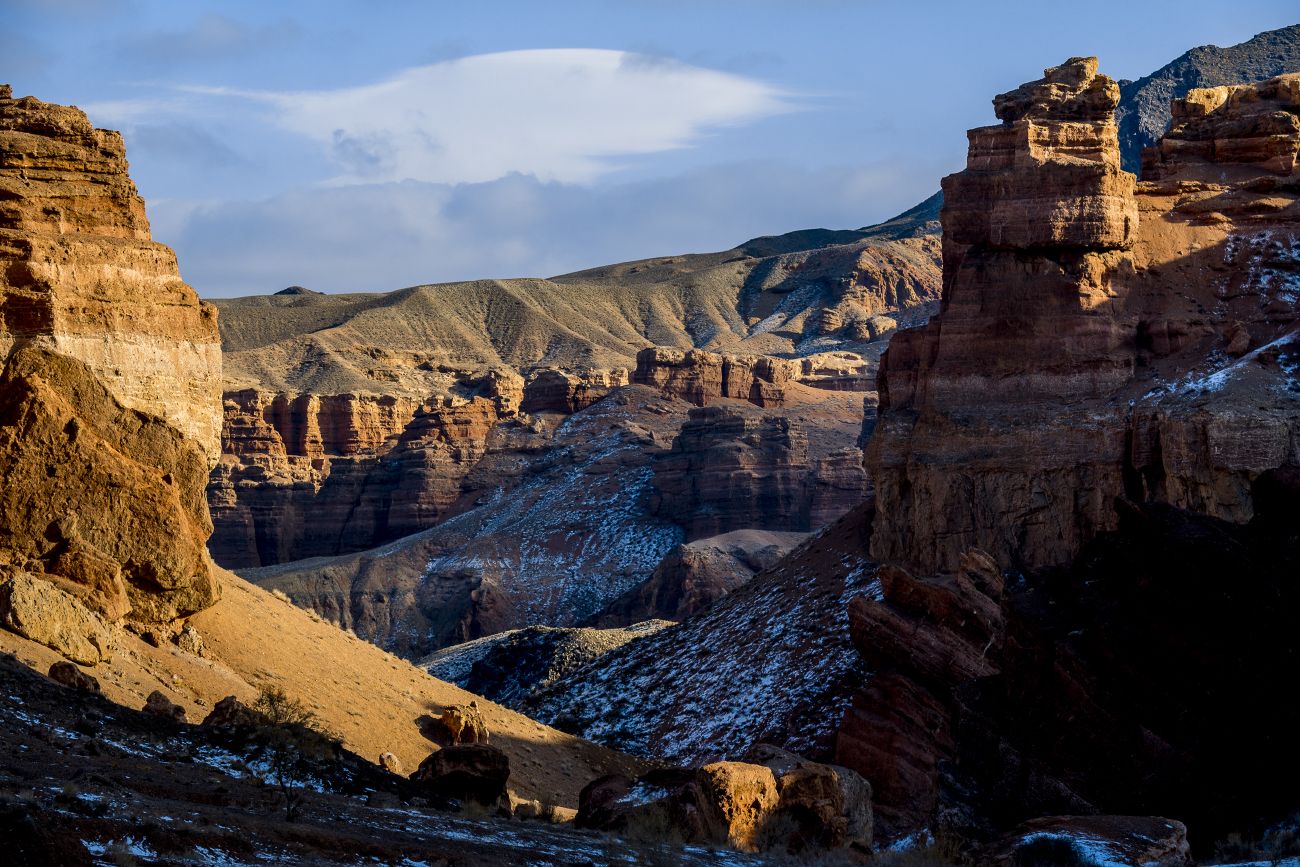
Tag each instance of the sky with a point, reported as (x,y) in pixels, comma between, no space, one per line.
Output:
(368,146)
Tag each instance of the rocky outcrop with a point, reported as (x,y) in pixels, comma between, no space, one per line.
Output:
(158,704)
(701,377)
(567,392)
(1005,423)
(1144,115)
(784,805)
(73,677)
(309,475)
(106,501)
(109,395)
(459,724)
(1070,460)
(80,276)
(731,468)
(697,574)
(41,612)
(469,772)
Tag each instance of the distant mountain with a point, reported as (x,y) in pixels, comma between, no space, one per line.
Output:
(1143,113)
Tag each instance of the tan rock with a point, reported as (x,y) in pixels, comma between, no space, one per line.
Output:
(79,274)
(391,763)
(460,724)
(743,797)
(105,495)
(41,612)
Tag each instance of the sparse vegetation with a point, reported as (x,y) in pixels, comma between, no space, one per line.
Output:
(291,740)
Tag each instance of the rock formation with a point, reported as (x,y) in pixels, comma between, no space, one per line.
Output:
(309,475)
(1144,116)
(1100,420)
(1005,424)
(81,277)
(731,468)
(109,394)
(697,574)
(702,378)
(555,390)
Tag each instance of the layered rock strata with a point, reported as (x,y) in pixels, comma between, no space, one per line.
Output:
(1005,424)
(109,393)
(701,377)
(79,274)
(732,468)
(1101,419)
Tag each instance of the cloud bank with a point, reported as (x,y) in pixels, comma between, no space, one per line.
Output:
(568,115)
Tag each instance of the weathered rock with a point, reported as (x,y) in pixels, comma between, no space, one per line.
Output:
(742,798)
(1004,423)
(73,677)
(460,724)
(468,772)
(829,805)
(190,641)
(1144,113)
(731,468)
(230,712)
(41,612)
(697,574)
(309,475)
(80,276)
(158,704)
(701,377)
(555,390)
(77,469)
(391,763)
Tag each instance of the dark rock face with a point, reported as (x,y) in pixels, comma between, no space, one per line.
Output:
(1143,113)
(1087,479)
(1172,611)
(731,468)
(469,772)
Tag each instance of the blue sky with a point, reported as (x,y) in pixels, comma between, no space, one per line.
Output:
(352,146)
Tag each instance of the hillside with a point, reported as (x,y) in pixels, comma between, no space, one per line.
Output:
(1143,114)
(763,296)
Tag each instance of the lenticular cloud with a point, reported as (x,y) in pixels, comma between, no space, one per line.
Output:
(558,114)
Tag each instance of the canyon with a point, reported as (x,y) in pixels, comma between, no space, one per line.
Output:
(965,535)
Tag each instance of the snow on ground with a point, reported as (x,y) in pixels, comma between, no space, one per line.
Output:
(772,661)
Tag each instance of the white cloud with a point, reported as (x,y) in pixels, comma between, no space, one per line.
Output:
(557,114)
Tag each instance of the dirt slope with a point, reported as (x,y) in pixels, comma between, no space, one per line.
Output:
(373,700)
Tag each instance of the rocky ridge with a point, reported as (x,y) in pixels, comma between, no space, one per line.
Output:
(109,392)
(1045,501)
(1144,114)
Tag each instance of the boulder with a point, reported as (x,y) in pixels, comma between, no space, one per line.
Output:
(470,772)
(73,677)
(742,798)
(41,612)
(391,763)
(828,805)
(230,712)
(158,704)
(460,724)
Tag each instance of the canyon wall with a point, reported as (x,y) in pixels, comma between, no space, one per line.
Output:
(109,395)
(1102,418)
(82,277)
